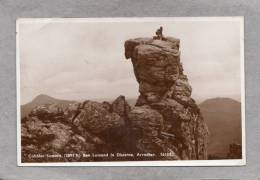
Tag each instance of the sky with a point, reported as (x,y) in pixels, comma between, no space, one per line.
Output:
(77,60)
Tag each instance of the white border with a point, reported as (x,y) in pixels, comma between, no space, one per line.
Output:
(235,162)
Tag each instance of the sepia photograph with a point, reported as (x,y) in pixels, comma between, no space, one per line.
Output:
(165,91)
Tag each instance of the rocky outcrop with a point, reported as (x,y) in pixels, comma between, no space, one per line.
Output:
(165,123)
(166,94)
(77,128)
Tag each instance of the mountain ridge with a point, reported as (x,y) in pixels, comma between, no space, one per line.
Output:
(223,117)
(41,100)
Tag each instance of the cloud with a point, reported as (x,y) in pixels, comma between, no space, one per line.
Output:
(86,60)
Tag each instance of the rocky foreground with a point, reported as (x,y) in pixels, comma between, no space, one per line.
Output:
(165,119)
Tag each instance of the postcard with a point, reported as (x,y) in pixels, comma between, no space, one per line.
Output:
(156,91)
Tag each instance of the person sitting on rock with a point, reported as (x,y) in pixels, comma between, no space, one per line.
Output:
(159,34)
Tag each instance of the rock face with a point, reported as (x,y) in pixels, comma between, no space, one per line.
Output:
(168,117)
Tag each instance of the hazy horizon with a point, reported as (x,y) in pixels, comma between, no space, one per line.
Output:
(77,61)
(127,98)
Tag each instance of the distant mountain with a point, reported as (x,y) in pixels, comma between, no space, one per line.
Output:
(223,117)
(40,100)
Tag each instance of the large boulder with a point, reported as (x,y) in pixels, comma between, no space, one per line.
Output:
(95,118)
(156,65)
